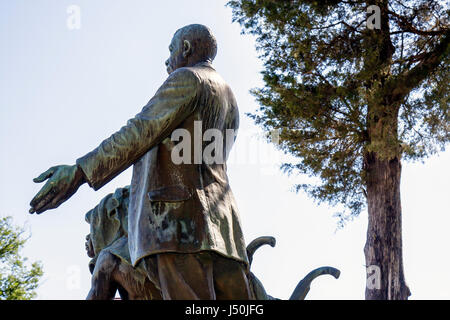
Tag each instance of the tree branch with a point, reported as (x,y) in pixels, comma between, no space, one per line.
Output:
(401,85)
(407,26)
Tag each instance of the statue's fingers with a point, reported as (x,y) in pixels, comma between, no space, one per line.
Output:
(45,175)
(46,203)
(54,203)
(55,199)
(60,197)
(48,206)
(41,195)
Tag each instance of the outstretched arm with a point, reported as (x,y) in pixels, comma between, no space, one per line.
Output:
(173,102)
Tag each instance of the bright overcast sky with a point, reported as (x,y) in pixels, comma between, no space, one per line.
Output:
(62,91)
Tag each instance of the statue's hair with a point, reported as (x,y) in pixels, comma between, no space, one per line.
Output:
(202,40)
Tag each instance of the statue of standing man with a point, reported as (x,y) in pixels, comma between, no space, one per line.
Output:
(183,223)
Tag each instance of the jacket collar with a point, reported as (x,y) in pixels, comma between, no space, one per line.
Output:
(204,64)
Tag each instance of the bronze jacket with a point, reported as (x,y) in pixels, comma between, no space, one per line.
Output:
(187,207)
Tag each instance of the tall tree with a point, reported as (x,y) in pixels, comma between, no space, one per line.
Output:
(17,281)
(353,87)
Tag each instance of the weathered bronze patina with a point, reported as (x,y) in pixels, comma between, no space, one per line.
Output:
(175,233)
(107,245)
(176,211)
(112,271)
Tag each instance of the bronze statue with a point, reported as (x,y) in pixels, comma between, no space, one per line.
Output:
(111,268)
(107,245)
(183,223)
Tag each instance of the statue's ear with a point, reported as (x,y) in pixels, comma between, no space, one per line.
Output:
(111,206)
(187,48)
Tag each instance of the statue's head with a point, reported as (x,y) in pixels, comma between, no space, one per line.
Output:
(108,221)
(190,45)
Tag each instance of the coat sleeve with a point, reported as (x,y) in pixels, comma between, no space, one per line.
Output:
(174,101)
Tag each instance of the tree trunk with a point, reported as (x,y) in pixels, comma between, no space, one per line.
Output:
(383,249)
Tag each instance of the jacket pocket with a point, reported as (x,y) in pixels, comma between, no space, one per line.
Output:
(169,194)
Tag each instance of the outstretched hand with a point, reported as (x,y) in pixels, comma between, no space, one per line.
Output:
(63,182)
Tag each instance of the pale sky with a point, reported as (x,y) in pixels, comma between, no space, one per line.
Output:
(62,91)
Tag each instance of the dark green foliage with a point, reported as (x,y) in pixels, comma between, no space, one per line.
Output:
(336,89)
(17,282)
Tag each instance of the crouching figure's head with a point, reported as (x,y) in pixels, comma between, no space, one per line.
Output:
(108,221)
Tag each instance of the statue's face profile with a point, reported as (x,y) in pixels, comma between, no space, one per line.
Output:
(89,247)
(179,52)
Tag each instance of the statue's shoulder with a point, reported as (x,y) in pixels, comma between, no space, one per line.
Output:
(186,74)
(201,71)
